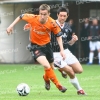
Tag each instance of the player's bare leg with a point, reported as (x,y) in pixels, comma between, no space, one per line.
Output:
(67,69)
(73,79)
(64,75)
(54,66)
(49,73)
(99,56)
(77,68)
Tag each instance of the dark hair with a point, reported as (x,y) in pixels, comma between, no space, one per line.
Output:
(63,9)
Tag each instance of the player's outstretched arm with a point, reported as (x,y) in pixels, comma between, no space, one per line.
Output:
(59,39)
(10,28)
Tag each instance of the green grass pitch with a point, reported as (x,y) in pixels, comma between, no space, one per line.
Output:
(11,75)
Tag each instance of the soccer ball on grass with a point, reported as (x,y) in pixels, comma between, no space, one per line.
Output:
(23,89)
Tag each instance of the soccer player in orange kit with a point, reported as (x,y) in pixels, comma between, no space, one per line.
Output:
(41,27)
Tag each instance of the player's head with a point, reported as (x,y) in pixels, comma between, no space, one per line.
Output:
(95,21)
(44,12)
(86,20)
(71,22)
(62,14)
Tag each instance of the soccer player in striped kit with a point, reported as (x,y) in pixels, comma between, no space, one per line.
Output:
(70,65)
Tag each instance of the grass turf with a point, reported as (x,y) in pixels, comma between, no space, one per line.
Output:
(12,75)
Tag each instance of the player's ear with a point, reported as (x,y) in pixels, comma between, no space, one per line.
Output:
(57,14)
(49,14)
(67,15)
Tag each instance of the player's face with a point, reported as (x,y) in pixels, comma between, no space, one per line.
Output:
(86,20)
(44,14)
(62,16)
(95,21)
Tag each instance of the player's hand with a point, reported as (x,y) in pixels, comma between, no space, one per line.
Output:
(27,27)
(63,54)
(74,37)
(73,40)
(90,37)
(9,30)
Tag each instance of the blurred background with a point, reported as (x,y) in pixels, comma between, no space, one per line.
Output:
(13,48)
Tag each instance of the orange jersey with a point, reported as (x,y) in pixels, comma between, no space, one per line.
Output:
(40,33)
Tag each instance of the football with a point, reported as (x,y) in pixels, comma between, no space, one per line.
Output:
(23,89)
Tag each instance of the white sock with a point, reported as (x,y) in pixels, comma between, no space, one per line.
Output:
(75,83)
(99,56)
(91,55)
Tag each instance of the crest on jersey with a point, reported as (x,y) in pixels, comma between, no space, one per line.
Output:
(37,51)
(66,30)
(64,35)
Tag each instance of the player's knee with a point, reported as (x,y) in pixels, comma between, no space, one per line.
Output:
(80,71)
(46,66)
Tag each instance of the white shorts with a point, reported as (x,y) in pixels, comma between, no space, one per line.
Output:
(70,59)
(94,45)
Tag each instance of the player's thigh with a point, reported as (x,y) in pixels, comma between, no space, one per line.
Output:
(77,67)
(62,65)
(43,61)
(49,54)
(40,56)
(70,58)
(92,46)
(98,46)
(58,61)
(67,69)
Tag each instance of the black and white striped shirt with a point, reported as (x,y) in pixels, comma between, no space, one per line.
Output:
(66,36)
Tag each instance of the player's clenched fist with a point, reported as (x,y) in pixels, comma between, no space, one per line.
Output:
(74,37)
(27,26)
(9,30)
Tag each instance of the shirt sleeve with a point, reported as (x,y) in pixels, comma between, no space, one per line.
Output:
(27,17)
(55,28)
